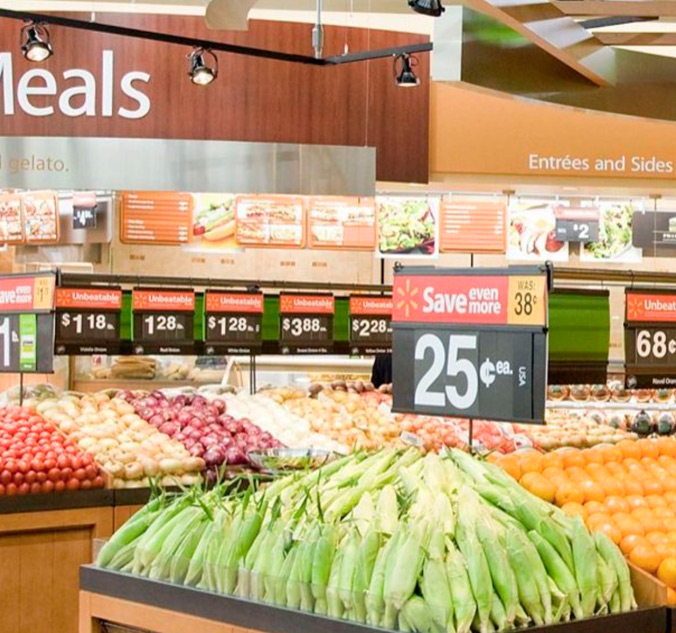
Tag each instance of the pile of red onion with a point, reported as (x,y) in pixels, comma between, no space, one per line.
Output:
(203,427)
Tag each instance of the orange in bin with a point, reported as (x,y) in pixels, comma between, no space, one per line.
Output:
(627,491)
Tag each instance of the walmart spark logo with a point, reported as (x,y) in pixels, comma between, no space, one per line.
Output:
(405,298)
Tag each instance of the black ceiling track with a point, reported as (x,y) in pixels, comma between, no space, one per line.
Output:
(170,38)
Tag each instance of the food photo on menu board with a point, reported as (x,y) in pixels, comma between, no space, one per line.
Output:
(41,216)
(532,232)
(11,219)
(213,226)
(615,235)
(336,222)
(277,221)
(408,227)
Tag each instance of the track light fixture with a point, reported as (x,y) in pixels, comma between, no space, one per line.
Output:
(427,7)
(200,73)
(35,44)
(404,76)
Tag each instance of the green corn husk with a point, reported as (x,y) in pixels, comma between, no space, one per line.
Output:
(350,546)
(586,575)
(366,560)
(498,615)
(437,594)
(375,600)
(180,564)
(387,510)
(129,533)
(477,565)
(613,557)
(322,564)
(607,581)
(464,605)
(415,616)
(271,563)
(193,577)
(160,567)
(529,594)
(335,608)
(559,572)
(122,558)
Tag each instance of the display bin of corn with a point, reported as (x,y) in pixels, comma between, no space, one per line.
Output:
(434,544)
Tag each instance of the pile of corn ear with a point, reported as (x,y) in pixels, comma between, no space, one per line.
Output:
(434,544)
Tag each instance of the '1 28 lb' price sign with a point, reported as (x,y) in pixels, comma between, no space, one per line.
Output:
(370,324)
(233,322)
(163,321)
(650,338)
(88,320)
(306,323)
(470,343)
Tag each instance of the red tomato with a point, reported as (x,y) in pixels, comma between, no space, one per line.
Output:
(66,473)
(10,490)
(23,489)
(86,484)
(90,470)
(50,462)
(36,488)
(41,477)
(59,486)
(24,466)
(30,477)
(63,461)
(48,486)
(73,484)
(80,474)
(2,490)
(19,478)
(77,462)
(12,466)
(37,463)
(54,474)
(98,482)
(5,477)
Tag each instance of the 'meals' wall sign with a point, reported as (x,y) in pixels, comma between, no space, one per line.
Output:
(78,92)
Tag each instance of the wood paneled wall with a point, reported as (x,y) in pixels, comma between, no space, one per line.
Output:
(253,99)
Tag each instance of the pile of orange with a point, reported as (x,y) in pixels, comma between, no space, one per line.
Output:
(627,490)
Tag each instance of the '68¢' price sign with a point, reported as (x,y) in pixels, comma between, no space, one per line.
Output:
(470,344)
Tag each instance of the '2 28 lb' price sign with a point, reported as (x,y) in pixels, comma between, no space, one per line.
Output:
(470,343)
(650,338)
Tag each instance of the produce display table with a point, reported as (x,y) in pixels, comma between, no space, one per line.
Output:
(43,541)
(158,607)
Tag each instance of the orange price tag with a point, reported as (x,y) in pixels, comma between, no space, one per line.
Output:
(527,300)
(43,297)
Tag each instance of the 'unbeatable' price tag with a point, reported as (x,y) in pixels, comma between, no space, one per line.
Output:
(650,338)
(370,324)
(470,344)
(234,322)
(306,323)
(163,321)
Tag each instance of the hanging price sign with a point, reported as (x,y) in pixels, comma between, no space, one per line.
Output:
(370,324)
(470,343)
(88,320)
(27,323)
(163,321)
(650,338)
(233,322)
(306,323)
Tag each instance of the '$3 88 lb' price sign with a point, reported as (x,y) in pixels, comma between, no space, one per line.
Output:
(471,346)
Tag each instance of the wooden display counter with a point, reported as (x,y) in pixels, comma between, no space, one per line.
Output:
(44,539)
(146,605)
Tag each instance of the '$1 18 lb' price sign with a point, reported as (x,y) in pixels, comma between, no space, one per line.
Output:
(469,345)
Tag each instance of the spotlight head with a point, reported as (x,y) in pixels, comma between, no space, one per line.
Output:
(433,8)
(35,44)
(201,74)
(404,76)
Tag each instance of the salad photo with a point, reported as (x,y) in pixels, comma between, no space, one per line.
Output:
(615,236)
(407,226)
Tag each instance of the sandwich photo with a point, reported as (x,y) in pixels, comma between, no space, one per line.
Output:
(216,221)
(251,232)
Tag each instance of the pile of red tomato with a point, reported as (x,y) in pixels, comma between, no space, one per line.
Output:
(35,458)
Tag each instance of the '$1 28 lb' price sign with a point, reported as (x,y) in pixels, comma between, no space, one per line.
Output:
(470,344)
